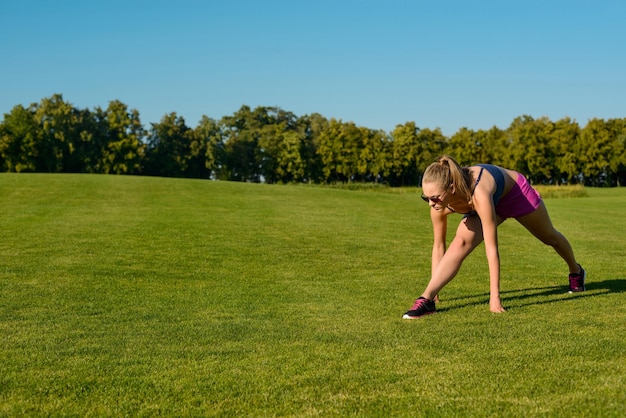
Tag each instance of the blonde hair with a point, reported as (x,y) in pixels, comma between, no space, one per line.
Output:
(446,172)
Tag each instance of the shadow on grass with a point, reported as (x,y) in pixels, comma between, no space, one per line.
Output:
(613,285)
(517,295)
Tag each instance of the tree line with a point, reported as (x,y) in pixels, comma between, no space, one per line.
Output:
(272,145)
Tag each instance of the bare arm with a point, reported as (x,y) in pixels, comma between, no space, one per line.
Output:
(483,204)
(440,227)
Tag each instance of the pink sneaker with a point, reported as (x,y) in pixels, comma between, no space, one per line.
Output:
(421,307)
(577,281)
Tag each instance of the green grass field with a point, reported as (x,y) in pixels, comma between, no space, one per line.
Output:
(131,296)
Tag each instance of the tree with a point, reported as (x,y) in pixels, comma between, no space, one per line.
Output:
(412,150)
(53,136)
(404,155)
(279,146)
(312,127)
(617,155)
(273,145)
(601,150)
(432,144)
(208,138)
(336,147)
(563,141)
(281,159)
(530,140)
(60,136)
(18,140)
(169,147)
(124,150)
(373,163)
(620,176)
(463,147)
(241,139)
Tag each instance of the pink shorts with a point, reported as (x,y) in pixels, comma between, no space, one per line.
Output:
(521,200)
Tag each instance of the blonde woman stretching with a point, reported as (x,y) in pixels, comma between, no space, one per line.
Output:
(485,195)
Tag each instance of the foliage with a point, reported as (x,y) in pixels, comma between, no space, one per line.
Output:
(271,145)
(412,150)
(18,140)
(143,296)
(123,151)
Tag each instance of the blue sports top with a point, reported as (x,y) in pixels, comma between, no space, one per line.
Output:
(497,176)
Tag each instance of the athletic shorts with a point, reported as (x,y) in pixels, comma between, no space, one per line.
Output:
(521,200)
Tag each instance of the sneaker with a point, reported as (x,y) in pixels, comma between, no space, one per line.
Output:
(577,281)
(421,307)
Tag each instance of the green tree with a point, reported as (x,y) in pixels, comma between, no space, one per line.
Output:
(169,147)
(241,144)
(464,148)
(333,150)
(374,164)
(404,155)
(482,146)
(412,150)
(530,140)
(620,176)
(336,147)
(263,144)
(432,146)
(281,158)
(601,150)
(563,141)
(617,157)
(19,134)
(208,138)
(91,136)
(494,147)
(312,127)
(124,149)
(279,145)
(60,137)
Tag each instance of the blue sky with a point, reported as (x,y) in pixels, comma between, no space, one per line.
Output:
(442,64)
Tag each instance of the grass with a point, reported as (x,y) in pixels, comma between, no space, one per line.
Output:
(550,192)
(130,296)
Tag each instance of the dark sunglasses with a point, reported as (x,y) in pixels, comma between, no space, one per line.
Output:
(435,199)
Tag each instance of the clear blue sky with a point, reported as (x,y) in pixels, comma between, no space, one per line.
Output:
(378,63)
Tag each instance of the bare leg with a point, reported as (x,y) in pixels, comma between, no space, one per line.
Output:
(468,235)
(539,224)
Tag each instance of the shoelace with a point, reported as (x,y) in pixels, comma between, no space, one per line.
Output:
(418,303)
(576,280)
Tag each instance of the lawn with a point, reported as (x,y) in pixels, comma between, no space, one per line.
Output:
(133,296)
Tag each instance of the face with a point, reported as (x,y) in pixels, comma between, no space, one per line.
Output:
(435,196)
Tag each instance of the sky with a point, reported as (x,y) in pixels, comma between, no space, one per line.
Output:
(378,63)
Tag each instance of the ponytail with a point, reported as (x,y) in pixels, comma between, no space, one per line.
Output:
(446,172)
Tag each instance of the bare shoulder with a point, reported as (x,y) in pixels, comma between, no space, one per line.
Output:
(486,184)
(489,183)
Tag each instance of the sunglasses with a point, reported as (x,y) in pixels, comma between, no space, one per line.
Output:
(435,199)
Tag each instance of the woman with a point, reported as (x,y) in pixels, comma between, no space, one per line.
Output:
(486,195)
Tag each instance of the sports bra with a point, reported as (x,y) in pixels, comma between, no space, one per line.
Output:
(497,176)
